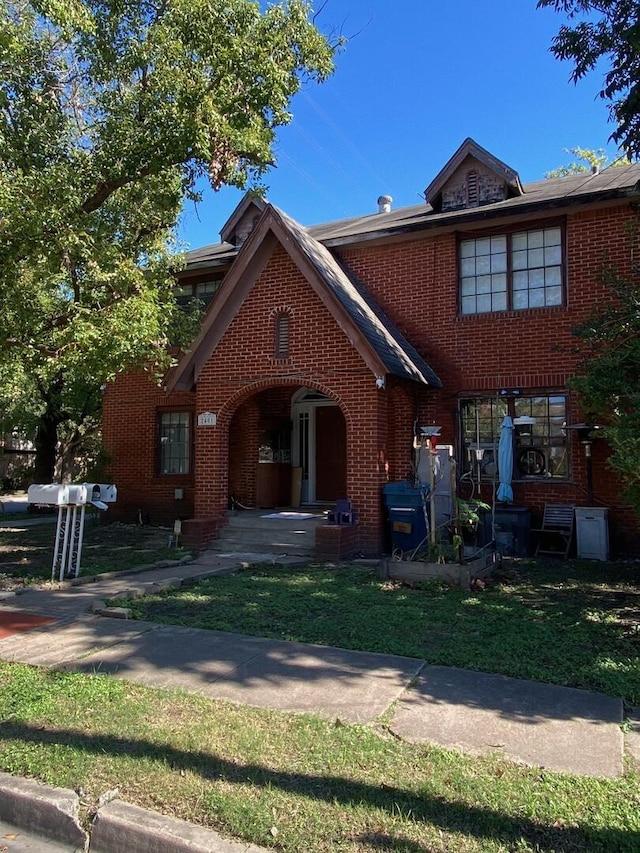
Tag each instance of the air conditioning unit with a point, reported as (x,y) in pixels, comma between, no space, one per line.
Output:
(531,461)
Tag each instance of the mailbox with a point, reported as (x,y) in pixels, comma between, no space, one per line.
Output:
(104,492)
(77,495)
(51,494)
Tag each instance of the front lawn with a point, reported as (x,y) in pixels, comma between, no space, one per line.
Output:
(26,551)
(573,623)
(297,784)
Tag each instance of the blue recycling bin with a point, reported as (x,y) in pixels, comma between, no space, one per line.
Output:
(404,507)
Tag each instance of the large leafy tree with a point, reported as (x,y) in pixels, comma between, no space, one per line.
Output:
(110,112)
(609,30)
(608,379)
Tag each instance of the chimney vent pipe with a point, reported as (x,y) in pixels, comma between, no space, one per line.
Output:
(384,204)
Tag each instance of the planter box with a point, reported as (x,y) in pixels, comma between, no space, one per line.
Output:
(452,573)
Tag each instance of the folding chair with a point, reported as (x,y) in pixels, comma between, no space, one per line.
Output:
(556,534)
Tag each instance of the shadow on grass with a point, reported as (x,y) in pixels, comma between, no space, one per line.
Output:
(446,815)
(567,623)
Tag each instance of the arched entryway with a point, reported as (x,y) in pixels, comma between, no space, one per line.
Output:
(319,447)
(287,446)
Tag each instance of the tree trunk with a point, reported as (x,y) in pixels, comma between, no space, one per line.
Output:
(46,445)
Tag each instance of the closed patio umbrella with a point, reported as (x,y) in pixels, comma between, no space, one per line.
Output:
(505,461)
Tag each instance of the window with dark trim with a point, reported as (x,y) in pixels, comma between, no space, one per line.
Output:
(513,271)
(199,293)
(539,436)
(282,334)
(174,429)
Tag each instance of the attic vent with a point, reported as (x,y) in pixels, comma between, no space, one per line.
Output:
(472,188)
(283,325)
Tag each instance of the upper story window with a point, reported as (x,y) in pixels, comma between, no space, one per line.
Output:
(511,271)
(539,436)
(201,291)
(175,442)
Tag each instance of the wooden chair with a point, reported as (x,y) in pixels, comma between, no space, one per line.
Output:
(556,534)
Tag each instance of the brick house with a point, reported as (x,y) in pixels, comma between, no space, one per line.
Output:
(324,349)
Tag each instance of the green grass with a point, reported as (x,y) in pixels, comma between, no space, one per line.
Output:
(573,623)
(26,552)
(296,783)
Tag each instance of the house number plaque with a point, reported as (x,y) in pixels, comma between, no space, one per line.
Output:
(207,419)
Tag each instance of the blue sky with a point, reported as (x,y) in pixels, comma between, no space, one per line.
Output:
(414,80)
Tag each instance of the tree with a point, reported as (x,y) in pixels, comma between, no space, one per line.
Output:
(608,378)
(587,160)
(611,29)
(110,112)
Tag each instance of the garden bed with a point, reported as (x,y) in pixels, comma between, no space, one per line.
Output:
(456,574)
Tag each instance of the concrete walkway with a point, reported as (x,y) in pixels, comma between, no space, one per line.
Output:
(557,728)
(536,724)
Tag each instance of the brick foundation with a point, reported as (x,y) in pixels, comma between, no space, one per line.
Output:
(198,532)
(335,542)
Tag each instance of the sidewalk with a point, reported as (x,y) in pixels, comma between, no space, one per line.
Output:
(479,713)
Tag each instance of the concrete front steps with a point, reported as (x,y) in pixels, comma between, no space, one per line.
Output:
(250,532)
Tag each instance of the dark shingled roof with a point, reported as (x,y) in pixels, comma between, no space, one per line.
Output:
(392,348)
(615,182)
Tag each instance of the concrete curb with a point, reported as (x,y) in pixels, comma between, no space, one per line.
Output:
(53,813)
(119,826)
(135,570)
(41,810)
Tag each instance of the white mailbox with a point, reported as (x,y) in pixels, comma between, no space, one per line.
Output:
(77,495)
(51,494)
(105,492)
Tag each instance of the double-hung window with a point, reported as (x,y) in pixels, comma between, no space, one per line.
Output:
(175,442)
(514,271)
(539,436)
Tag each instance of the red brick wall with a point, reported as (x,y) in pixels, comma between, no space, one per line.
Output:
(416,283)
(321,357)
(130,437)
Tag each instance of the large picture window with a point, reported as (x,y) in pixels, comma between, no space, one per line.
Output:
(540,442)
(175,442)
(514,271)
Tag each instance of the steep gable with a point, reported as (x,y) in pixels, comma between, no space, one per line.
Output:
(381,346)
(473,177)
(243,220)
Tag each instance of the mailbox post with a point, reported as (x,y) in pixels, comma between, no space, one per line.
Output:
(70,527)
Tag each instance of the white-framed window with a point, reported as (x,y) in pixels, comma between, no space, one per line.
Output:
(514,271)
(174,430)
(540,441)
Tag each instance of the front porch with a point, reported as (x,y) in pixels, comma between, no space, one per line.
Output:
(264,534)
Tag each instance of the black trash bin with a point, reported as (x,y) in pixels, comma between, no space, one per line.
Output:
(512,526)
(404,507)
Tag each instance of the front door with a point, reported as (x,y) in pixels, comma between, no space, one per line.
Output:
(319,447)
(331,454)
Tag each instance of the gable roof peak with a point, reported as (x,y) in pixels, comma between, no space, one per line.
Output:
(243,219)
(471,178)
